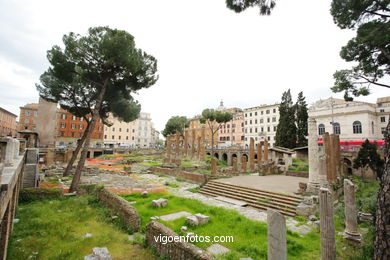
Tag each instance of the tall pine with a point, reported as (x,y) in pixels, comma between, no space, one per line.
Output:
(286,133)
(301,120)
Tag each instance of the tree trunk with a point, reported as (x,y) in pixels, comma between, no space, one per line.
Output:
(382,218)
(80,165)
(76,152)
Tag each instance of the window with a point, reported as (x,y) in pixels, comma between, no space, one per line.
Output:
(81,118)
(336,128)
(261,121)
(383,119)
(72,133)
(262,129)
(112,137)
(132,138)
(119,137)
(269,138)
(74,118)
(246,122)
(267,112)
(250,121)
(255,121)
(321,129)
(35,113)
(274,119)
(255,113)
(100,120)
(127,130)
(105,136)
(382,110)
(357,127)
(250,114)
(242,138)
(120,129)
(27,120)
(262,112)
(268,120)
(255,129)
(63,125)
(246,115)
(274,110)
(372,127)
(275,128)
(63,116)
(268,129)
(62,133)
(127,138)
(383,130)
(250,130)
(81,126)
(27,113)
(73,126)
(113,129)
(100,128)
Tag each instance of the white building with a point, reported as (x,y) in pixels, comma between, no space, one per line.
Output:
(261,123)
(352,120)
(137,133)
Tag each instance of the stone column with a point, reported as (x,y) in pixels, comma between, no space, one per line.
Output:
(199,147)
(234,162)
(328,156)
(313,155)
(322,177)
(277,242)
(259,152)
(193,144)
(213,165)
(203,144)
(185,143)
(243,164)
(168,147)
(351,226)
(252,154)
(177,146)
(336,147)
(328,242)
(265,150)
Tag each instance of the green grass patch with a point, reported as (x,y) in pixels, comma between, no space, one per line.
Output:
(56,229)
(194,190)
(152,163)
(172,185)
(298,168)
(203,171)
(250,237)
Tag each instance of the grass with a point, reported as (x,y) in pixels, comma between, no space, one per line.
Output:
(152,163)
(250,237)
(298,168)
(56,228)
(194,190)
(172,185)
(299,162)
(203,171)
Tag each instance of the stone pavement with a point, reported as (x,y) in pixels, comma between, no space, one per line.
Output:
(274,183)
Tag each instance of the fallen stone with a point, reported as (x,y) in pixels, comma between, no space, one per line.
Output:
(190,234)
(312,218)
(16,220)
(217,249)
(88,235)
(160,203)
(365,217)
(144,193)
(202,219)
(305,210)
(192,221)
(316,224)
(231,201)
(154,218)
(176,215)
(183,229)
(99,253)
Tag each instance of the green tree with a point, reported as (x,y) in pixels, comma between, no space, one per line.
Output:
(214,120)
(370,52)
(286,132)
(238,6)
(175,124)
(301,120)
(368,156)
(106,67)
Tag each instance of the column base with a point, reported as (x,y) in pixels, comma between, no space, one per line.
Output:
(313,187)
(354,237)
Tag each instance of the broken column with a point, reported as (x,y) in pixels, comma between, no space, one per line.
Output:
(185,151)
(252,154)
(265,150)
(213,165)
(234,163)
(330,166)
(313,184)
(193,144)
(168,147)
(199,147)
(328,242)
(337,154)
(277,242)
(259,152)
(177,146)
(243,164)
(322,170)
(351,226)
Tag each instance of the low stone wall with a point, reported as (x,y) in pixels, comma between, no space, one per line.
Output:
(174,250)
(298,174)
(120,206)
(190,176)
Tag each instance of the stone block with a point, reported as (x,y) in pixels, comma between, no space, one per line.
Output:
(305,210)
(99,253)
(217,249)
(144,194)
(202,219)
(30,175)
(192,221)
(160,203)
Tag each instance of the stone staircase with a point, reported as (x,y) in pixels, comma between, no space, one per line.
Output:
(259,199)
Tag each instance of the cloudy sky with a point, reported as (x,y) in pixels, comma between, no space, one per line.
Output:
(205,52)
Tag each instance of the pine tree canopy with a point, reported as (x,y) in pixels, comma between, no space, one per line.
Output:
(78,72)
(175,124)
(238,6)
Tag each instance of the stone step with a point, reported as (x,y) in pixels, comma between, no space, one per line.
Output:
(284,203)
(292,197)
(253,201)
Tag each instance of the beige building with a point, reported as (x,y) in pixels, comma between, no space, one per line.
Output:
(352,120)
(8,123)
(261,123)
(232,132)
(138,133)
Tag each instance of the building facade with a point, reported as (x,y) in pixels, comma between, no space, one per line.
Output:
(232,132)
(351,120)
(198,128)
(66,128)
(138,133)
(8,125)
(261,123)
